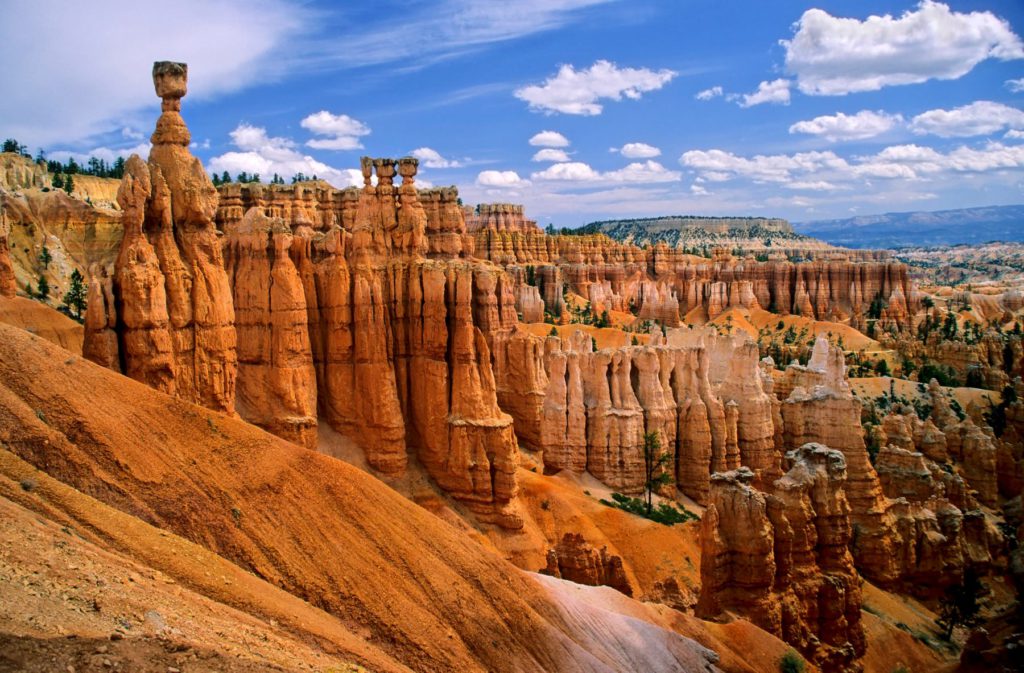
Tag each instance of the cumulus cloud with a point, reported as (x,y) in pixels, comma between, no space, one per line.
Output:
(708,94)
(1014,134)
(431,158)
(760,168)
(832,55)
(638,151)
(577,92)
(812,186)
(864,124)
(501,179)
(342,132)
(826,170)
(266,155)
(643,171)
(1015,85)
(776,91)
(549,139)
(232,47)
(551,155)
(977,119)
(576,171)
(699,190)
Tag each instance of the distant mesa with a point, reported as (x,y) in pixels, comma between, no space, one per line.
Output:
(683,231)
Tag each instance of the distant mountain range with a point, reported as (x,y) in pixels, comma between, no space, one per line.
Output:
(940,227)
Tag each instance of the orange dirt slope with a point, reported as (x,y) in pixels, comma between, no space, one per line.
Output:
(405,582)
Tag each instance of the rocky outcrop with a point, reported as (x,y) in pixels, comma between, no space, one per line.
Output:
(781,559)
(664,284)
(701,392)
(276,387)
(498,217)
(173,309)
(575,560)
(8,283)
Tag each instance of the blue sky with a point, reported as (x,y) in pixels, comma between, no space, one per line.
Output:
(581,109)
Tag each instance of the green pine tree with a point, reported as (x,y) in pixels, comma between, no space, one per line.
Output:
(42,288)
(75,298)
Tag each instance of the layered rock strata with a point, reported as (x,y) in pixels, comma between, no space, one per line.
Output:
(354,307)
(587,410)
(781,559)
(8,283)
(171,321)
(666,284)
(498,217)
(575,560)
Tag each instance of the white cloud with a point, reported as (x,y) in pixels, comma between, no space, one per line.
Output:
(343,132)
(1014,134)
(432,158)
(708,94)
(551,155)
(832,55)
(864,124)
(503,179)
(699,190)
(549,139)
(812,186)
(760,168)
(1015,85)
(231,47)
(639,151)
(776,91)
(576,171)
(430,32)
(577,92)
(824,171)
(266,155)
(131,134)
(977,119)
(643,171)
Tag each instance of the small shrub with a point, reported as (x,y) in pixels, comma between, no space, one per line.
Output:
(901,669)
(665,513)
(236,514)
(28,485)
(791,662)
(545,505)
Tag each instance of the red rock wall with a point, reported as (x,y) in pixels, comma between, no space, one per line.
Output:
(780,558)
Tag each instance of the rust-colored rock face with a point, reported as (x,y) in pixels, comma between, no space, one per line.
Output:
(172,312)
(364,301)
(701,392)
(665,284)
(575,560)
(8,284)
(332,301)
(498,217)
(276,379)
(780,558)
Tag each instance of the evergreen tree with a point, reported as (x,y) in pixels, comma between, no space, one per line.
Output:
(11,145)
(69,184)
(961,604)
(75,298)
(43,288)
(655,461)
(215,180)
(45,257)
(58,181)
(225,178)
